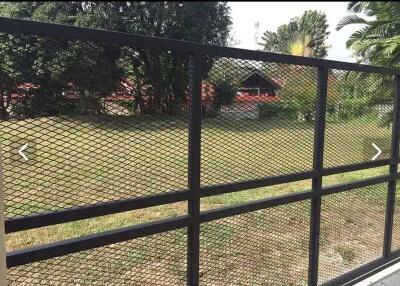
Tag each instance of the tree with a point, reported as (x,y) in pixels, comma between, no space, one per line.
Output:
(300,91)
(378,41)
(300,46)
(167,73)
(55,66)
(302,36)
(164,74)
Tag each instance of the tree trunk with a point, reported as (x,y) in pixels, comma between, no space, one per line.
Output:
(156,83)
(82,101)
(139,97)
(5,101)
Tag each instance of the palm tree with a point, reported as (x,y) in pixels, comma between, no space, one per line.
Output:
(378,41)
(302,36)
(300,46)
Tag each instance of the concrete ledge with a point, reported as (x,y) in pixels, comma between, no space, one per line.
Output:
(388,277)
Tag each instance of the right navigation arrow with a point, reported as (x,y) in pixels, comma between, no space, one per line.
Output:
(377,149)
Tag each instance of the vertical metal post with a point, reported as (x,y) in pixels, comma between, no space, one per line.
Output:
(195,71)
(394,160)
(3,267)
(319,134)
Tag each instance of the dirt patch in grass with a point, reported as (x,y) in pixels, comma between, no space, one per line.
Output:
(268,247)
(352,230)
(81,162)
(155,260)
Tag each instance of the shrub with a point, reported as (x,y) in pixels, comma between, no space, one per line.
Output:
(300,89)
(211,113)
(387,119)
(352,107)
(224,93)
(34,106)
(304,104)
(280,109)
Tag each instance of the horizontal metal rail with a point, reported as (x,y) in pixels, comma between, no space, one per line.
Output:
(108,208)
(364,271)
(18,26)
(256,183)
(91,211)
(60,248)
(338,188)
(193,220)
(289,198)
(34,254)
(355,167)
(219,213)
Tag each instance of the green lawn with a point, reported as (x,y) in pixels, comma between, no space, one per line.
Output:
(77,161)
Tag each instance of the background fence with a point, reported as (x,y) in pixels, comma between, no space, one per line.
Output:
(116,122)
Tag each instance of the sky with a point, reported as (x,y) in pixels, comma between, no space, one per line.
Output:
(272,14)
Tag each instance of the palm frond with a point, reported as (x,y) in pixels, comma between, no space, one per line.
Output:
(349,20)
(356,6)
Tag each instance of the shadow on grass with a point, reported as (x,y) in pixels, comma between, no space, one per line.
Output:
(163,122)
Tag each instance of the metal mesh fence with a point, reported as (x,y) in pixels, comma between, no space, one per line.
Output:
(95,225)
(267,247)
(396,221)
(259,122)
(356,175)
(97,130)
(86,123)
(359,113)
(155,260)
(252,195)
(352,230)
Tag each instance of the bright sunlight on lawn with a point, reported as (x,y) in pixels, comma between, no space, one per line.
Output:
(78,161)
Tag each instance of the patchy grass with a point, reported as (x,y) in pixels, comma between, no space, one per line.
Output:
(348,254)
(352,229)
(79,161)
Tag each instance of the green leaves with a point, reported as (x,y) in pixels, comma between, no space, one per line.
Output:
(304,36)
(94,70)
(378,41)
(352,19)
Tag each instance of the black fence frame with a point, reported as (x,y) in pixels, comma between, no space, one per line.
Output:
(195,192)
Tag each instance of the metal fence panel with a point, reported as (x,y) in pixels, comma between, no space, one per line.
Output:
(359,112)
(396,222)
(257,248)
(97,122)
(154,260)
(85,146)
(265,130)
(352,230)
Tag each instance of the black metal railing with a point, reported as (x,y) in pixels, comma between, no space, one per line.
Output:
(109,134)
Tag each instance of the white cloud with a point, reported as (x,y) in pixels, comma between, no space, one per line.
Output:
(272,14)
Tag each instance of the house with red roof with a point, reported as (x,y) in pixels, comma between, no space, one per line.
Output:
(253,88)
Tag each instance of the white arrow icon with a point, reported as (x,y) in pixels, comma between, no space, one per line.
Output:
(377,149)
(21,150)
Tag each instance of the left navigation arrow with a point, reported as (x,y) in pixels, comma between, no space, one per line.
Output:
(21,150)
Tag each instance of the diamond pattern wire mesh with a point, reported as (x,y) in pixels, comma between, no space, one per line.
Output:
(257,120)
(349,177)
(352,230)
(396,220)
(98,124)
(359,112)
(251,195)
(104,123)
(266,247)
(154,260)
